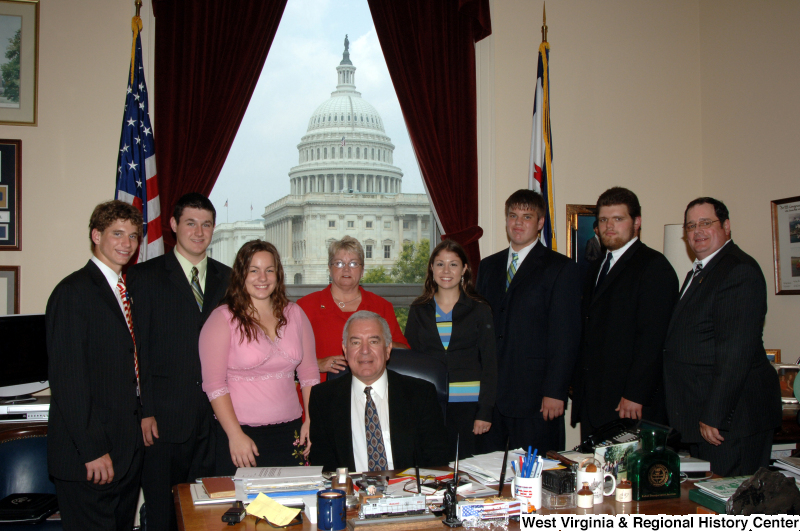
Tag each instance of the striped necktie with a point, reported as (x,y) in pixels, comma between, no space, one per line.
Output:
(376,451)
(512,269)
(698,268)
(196,289)
(126,305)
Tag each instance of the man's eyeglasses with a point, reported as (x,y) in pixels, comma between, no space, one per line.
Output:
(691,227)
(429,485)
(338,264)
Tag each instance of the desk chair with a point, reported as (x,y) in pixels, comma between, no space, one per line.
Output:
(418,365)
(23,467)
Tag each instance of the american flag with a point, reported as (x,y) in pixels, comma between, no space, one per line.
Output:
(540,171)
(136,163)
(343,142)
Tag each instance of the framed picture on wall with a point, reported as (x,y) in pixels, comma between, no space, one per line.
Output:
(9,290)
(19,61)
(786,245)
(582,245)
(10,194)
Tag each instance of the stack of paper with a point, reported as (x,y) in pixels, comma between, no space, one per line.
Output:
(790,467)
(486,467)
(280,481)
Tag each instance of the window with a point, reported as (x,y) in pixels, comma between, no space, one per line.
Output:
(331,223)
(317,153)
(387,251)
(325,151)
(351,224)
(387,224)
(358,153)
(350,156)
(369,250)
(405,224)
(369,224)
(424,225)
(373,153)
(341,156)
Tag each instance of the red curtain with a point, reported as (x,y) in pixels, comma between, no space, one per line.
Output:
(208,57)
(429,46)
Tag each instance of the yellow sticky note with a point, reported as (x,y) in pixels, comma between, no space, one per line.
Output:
(265,507)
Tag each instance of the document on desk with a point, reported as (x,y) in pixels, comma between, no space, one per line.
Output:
(275,513)
(486,467)
(277,472)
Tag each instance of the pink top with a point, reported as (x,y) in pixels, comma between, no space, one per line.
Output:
(258,375)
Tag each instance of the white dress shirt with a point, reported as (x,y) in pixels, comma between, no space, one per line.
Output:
(112,277)
(358,403)
(704,262)
(521,254)
(615,256)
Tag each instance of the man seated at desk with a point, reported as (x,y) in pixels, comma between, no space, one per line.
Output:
(374,419)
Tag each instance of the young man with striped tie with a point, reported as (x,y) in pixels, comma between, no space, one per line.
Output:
(94,446)
(174,294)
(534,293)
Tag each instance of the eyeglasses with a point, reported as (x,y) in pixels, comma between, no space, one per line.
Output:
(338,264)
(429,485)
(691,227)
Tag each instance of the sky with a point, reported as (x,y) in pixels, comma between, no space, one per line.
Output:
(298,76)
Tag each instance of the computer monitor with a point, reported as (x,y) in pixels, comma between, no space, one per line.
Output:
(23,355)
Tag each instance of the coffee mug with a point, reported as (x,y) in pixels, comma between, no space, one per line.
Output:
(331,511)
(529,493)
(596,481)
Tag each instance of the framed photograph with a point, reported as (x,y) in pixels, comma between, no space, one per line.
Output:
(582,244)
(19,61)
(9,290)
(786,245)
(774,355)
(10,194)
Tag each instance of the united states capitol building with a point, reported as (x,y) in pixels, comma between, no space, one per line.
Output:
(345,183)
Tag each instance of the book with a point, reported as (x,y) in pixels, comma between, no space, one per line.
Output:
(792,464)
(722,488)
(707,500)
(693,464)
(201,497)
(219,487)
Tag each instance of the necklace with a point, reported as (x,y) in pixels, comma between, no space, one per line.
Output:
(342,304)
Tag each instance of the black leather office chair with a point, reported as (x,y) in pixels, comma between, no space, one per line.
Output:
(418,365)
(23,467)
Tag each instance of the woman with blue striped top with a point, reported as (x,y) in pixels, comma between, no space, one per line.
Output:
(451,321)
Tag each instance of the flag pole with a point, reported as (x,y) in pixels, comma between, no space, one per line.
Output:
(544,21)
(138,4)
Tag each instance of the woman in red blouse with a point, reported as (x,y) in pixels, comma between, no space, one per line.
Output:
(329,308)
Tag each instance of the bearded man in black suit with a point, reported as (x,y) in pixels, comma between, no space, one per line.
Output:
(535,296)
(374,418)
(722,394)
(94,446)
(174,294)
(628,299)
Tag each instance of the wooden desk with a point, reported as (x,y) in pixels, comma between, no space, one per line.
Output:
(208,517)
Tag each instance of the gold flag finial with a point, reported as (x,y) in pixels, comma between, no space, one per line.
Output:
(544,22)
(138,4)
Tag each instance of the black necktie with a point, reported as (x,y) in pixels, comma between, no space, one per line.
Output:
(604,270)
(698,268)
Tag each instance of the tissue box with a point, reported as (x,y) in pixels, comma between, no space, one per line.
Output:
(487,508)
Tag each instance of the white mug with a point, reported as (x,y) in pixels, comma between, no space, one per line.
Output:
(596,481)
(529,493)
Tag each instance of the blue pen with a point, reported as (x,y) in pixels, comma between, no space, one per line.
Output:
(526,473)
(513,468)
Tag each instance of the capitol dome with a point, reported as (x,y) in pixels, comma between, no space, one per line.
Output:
(345,148)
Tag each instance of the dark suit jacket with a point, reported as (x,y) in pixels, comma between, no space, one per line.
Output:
(536,325)
(715,367)
(470,356)
(415,418)
(167,324)
(93,409)
(625,322)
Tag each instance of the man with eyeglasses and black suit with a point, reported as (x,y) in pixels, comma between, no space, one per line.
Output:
(722,394)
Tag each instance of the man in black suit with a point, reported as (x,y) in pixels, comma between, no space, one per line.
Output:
(94,446)
(628,299)
(534,293)
(722,394)
(405,425)
(174,294)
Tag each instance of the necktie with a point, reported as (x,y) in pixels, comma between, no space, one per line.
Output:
(376,451)
(196,289)
(698,268)
(604,270)
(512,269)
(126,305)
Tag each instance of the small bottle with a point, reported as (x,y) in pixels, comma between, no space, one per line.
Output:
(624,493)
(585,497)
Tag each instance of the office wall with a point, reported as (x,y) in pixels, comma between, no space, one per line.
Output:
(69,158)
(751,127)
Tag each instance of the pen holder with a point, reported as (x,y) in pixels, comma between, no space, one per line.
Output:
(529,493)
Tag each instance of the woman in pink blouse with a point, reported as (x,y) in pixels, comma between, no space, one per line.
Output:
(250,348)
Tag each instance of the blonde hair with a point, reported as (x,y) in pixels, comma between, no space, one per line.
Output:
(349,244)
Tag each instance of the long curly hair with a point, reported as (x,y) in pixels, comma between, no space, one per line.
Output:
(467,285)
(238,300)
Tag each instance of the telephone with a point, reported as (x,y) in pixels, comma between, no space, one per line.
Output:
(616,432)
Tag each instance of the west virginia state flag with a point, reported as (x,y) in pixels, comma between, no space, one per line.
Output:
(540,172)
